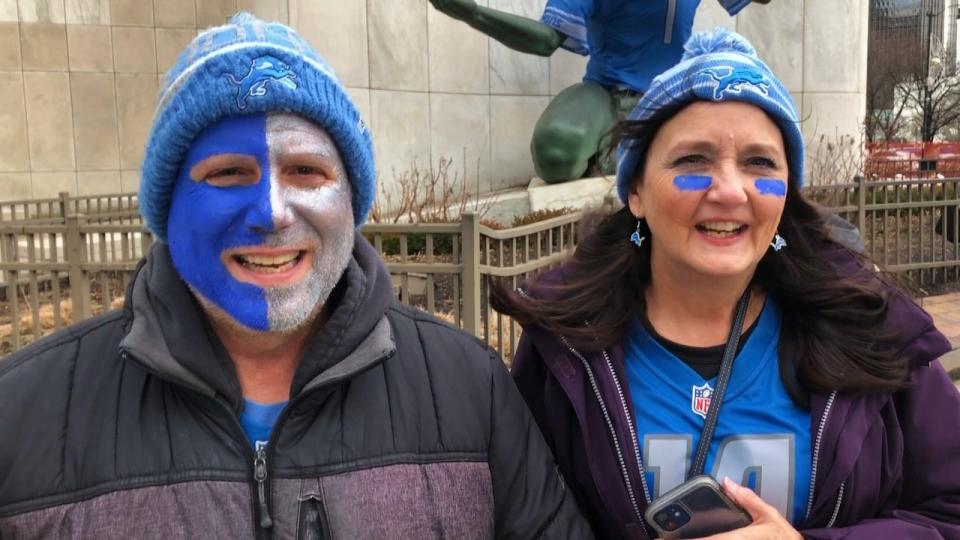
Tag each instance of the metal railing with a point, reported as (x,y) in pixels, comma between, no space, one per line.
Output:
(67,259)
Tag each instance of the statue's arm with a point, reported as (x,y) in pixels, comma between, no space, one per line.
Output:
(518,33)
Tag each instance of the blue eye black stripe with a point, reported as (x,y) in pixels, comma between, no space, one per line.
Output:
(692,182)
(771,186)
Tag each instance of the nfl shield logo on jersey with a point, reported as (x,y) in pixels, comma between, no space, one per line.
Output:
(700,399)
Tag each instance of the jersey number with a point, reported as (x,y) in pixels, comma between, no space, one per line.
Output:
(764,461)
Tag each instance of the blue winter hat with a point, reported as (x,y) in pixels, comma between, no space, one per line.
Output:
(716,66)
(249,66)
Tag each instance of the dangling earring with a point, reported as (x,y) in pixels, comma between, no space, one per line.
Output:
(778,242)
(636,238)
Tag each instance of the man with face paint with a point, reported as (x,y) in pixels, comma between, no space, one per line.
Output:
(261,380)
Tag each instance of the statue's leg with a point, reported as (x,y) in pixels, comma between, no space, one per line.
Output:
(568,132)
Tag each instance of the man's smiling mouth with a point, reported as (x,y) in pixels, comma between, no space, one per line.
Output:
(269,264)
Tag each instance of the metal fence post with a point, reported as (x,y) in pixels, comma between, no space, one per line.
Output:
(861,204)
(470,236)
(76,252)
(64,206)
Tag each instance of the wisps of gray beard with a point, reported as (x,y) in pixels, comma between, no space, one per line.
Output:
(291,308)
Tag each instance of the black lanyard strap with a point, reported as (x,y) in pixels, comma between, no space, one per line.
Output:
(726,367)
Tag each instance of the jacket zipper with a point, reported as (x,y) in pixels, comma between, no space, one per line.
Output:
(260,476)
(613,434)
(816,456)
(261,467)
(633,432)
(836,509)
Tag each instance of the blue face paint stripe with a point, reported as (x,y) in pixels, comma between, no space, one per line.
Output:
(206,220)
(771,186)
(692,182)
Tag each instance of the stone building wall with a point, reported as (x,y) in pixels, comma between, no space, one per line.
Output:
(80,79)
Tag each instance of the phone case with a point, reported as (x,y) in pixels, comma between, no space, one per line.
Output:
(696,508)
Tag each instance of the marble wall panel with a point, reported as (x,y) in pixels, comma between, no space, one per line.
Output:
(566,69)
(776,32)
(460,133)
(214,12)
(98,182)
(48,185)
(398,44)
(43,46)
(16,186)
(458,56)
(10,46)
(268,10)
(87,11)
(170,43)
(864,42)
(512,119)
(513,72)
(8,11)
(14,151)
(129,180)
(830,114)
(89,47)
(134,50)
(831,49)
(175,13)
(50,121)
(710,14)
(136,97)
(338,32)
(131,12)
(401,124)
(42,11)
(95,121)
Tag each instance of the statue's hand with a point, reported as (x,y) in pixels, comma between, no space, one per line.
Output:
(458,9)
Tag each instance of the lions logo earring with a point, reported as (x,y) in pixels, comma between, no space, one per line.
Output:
(778,242)
(636,238)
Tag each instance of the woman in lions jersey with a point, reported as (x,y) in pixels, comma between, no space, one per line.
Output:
(837,421)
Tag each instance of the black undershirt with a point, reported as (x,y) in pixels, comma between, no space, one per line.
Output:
(704,360)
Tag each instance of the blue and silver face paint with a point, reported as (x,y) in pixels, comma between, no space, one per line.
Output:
(692,182)
(771,186)
(231,243)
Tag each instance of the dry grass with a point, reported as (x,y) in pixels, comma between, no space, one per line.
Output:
(46,320)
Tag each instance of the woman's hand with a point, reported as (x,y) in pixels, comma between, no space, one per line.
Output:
(767,521)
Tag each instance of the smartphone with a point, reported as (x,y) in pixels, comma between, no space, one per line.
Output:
(695,508)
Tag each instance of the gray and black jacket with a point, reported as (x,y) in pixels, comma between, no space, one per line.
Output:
(125,426)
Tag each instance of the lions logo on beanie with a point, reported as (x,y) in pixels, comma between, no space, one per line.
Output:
(716,66)
(249,66)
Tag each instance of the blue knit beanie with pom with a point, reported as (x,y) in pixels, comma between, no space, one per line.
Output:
(716,66)
(249,66)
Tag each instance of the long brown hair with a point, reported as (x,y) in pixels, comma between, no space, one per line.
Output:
(832,335)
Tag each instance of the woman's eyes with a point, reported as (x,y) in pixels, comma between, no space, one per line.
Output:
(760,161)
(689,159)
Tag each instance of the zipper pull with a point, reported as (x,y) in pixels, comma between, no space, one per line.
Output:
(260,475)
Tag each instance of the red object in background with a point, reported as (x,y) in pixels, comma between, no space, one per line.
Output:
(912,160)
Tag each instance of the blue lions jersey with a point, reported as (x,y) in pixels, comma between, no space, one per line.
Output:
(762,439)
(629,41)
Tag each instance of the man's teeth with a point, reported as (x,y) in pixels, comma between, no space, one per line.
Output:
(277,263)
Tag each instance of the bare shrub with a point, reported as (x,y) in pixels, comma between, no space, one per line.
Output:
(434,196)
(834,160)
